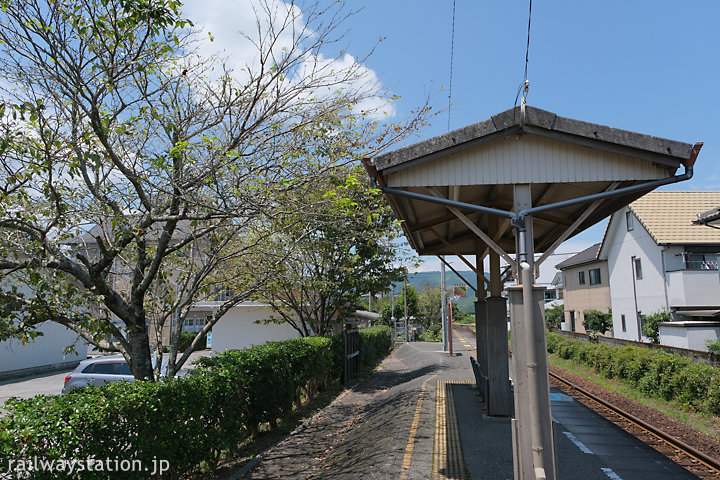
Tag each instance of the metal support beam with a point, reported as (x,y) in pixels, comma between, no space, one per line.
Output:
(442,259)
(590,209)
(465,260)
(474,228)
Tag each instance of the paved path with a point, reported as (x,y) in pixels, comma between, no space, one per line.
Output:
(420,417)
(382,429)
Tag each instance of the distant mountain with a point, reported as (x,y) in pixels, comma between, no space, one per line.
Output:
(420,279)
(432,279)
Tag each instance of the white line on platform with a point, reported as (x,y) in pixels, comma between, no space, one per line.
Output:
(583,448)
(610,473)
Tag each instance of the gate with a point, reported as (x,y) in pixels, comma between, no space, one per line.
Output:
(351,343)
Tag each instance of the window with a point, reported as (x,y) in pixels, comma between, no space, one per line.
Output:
(629,220)
(622,320)
(581,278)
(572,321)
(637,264)
(595,276)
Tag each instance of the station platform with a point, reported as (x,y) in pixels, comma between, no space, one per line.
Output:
(420,417)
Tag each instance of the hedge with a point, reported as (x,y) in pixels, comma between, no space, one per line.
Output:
(653,372)
(186,421)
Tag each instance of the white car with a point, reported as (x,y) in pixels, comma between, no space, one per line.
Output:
(101,370)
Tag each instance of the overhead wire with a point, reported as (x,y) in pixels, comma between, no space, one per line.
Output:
(525,85)
(452,54)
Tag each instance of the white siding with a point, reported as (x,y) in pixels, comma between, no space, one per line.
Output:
(527,159)
(648,292)
(690,335)
(44,351)
(237,329)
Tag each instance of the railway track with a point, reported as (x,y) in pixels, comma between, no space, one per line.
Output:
(693,460)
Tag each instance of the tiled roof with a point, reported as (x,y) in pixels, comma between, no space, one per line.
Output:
(587,255)
(668,216)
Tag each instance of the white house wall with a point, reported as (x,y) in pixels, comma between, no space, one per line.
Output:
(649,292)
(237,329)
(44,351)
(527,159)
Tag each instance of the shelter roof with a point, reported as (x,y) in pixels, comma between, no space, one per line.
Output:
(541,122)
(561,159)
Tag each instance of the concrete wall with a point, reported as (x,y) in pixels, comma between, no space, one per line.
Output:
(629,294)
(43,353)
(582,298)
(237,328)
(690,335)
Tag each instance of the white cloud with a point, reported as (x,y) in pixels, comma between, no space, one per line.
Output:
(239,27)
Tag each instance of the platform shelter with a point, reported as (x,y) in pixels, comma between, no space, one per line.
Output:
(515,184)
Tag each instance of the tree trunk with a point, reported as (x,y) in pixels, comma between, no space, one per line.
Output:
(140,353)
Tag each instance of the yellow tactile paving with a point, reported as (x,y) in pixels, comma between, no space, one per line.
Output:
(467,345)
(448,461)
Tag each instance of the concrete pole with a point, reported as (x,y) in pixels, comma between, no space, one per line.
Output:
(392,311)
(500,397)
(443,301)
(534,450)
(405,335)
(481,326)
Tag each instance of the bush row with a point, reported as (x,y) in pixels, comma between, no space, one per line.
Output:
(185,421)
(653,372)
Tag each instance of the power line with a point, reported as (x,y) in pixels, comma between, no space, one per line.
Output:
(452,54)
(525,85)
(527,47)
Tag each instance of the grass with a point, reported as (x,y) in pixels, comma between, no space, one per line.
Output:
(703,422)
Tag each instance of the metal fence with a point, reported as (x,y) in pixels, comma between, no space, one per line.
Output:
(351,345)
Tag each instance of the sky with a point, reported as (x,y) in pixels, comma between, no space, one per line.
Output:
(645,66)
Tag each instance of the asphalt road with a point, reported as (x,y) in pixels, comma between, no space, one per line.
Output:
(51,383)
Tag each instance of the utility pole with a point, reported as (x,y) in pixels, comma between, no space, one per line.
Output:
(443,301)
(392,311)
(406,310)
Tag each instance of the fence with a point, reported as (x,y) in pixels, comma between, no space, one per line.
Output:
(351,346)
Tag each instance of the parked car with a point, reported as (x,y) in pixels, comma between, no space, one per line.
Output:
(101,370)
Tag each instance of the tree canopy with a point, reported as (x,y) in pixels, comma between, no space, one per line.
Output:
(135,171)
(340,244)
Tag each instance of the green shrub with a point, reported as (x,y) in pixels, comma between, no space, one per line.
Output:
(433,334)
(713,346)
(554,317)
(375,344)
(186,338)
(650,327)
(596,321)
(187,421)
(653,372)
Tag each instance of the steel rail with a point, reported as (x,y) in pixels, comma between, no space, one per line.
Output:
(701,457)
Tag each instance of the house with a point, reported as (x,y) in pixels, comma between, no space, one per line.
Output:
(242,326)
(659,260)
(586,286)
(44,352)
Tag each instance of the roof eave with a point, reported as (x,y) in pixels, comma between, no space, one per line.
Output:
(661,151)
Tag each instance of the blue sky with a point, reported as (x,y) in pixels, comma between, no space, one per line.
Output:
(641,65)
(646,66)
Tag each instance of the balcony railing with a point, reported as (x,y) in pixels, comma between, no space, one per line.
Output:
(694,288)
